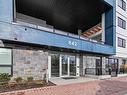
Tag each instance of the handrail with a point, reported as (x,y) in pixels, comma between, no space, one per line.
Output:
(98,71)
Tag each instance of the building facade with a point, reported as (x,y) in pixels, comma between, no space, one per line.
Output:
(57,39)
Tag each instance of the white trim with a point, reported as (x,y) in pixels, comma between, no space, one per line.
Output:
(60,66)
(49,66)
(103,27)
(68,66)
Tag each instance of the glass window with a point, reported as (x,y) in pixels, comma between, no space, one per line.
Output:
(121,23)
(123,66)
(5,60)
(122,4)
(55,65)
(124,24)
(121,42)
(5,70)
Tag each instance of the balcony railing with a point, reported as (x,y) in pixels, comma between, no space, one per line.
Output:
(97,71)
(53,30)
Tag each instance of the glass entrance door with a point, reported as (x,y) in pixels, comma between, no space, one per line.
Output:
(98,67)
(55,65)
(64,65)
(72,63)
(67,65)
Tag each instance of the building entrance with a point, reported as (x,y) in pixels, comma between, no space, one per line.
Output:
(67,65)
(61,65)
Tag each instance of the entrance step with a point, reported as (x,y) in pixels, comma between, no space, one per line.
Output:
(67,80)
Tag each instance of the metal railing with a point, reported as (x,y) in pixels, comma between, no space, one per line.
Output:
(97,71)
(104,71)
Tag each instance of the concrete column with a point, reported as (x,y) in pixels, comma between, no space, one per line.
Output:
(103,27)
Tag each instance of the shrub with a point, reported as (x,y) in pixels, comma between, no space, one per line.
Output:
(29,79)
(18,79)
(5,77)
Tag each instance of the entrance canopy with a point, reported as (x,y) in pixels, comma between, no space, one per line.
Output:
(67,15)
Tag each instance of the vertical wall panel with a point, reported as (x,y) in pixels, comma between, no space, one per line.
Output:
(6,10)
(109,27)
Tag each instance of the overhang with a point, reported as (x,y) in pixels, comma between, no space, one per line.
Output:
(67,15)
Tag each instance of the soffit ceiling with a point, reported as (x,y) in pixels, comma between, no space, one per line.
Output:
(67,15)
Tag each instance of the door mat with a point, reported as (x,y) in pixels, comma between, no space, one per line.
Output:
(66,78)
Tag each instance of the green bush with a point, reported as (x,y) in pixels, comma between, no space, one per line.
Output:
(29,79)
(18,79)
(4,77)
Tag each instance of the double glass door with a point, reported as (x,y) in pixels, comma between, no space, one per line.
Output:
(67,65)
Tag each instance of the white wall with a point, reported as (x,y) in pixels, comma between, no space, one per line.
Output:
(29,19)
(122,33)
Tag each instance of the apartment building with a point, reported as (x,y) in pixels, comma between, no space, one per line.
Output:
(63,38)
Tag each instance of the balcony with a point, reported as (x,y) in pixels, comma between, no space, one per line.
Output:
(38,35)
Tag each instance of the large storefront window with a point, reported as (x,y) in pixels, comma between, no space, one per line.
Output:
(92,65)
(123,67)
(113,67)
(100,66)
(5,61)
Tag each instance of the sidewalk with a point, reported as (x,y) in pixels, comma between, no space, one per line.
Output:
(115,86)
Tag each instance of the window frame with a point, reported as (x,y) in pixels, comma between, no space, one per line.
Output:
(121,23)
(122,42)
(123,6)
(11,65)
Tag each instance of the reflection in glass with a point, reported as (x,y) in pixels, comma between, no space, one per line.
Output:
(72,62)
(113,67)
(64,62)
(5,61)
(5,56)
(55,65)
(5,70)
(98,67)
(123,67)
